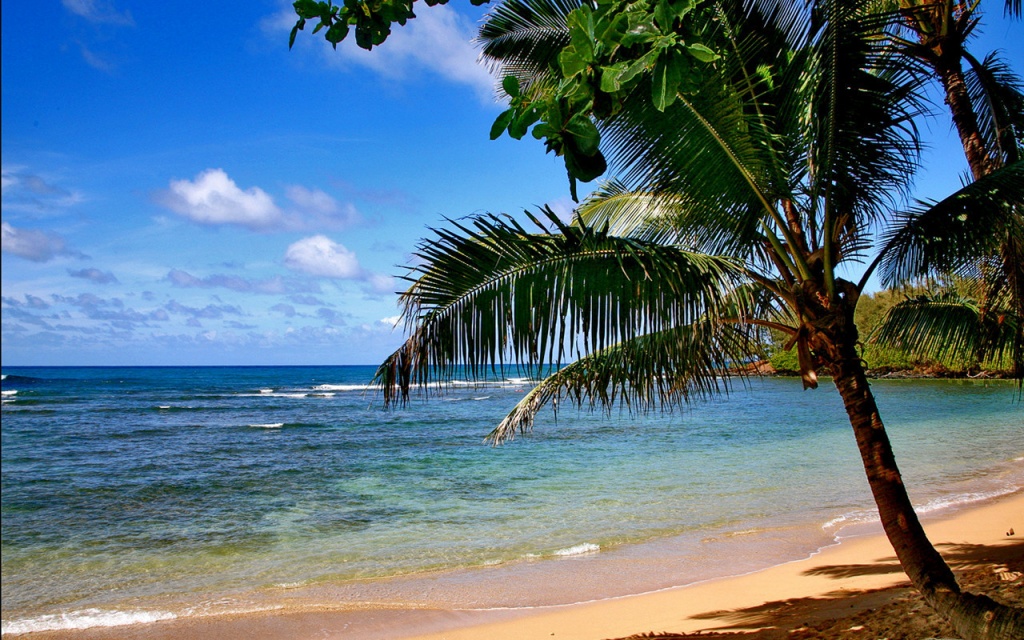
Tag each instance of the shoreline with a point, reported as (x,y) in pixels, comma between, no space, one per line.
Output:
(856,566)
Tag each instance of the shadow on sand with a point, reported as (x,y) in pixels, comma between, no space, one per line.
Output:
(775,619)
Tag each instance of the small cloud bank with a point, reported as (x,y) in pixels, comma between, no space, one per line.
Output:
(34,245)
(29,192)
(322,257)
(268,286)
(213,198)
(93,275)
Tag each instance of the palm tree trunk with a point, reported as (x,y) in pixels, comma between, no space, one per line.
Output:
(974,617)
(951,76)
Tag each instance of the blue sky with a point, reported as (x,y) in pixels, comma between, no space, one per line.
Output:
(179,188)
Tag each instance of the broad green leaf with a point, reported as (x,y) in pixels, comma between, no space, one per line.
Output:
(702,53)
(584,133)
(307,9)
(665,87)
(610,77)
(682,7)
(571,63)
(644,31)
(520,125)
(511,86)
(501,123)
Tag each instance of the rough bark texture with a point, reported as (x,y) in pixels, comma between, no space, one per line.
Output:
(974,617)
(951,75)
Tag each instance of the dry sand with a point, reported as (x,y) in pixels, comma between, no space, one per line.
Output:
(840,592)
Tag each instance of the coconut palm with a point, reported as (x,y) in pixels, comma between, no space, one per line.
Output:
(986,108)
(739,201)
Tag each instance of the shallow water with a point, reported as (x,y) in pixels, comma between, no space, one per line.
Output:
(137,491)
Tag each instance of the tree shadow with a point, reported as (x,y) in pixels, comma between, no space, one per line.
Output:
(842,603)
(958,556)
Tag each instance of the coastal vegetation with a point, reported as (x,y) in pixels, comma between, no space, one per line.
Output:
(761,151)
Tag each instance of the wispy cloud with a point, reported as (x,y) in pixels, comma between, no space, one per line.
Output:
(315,209)
(275,285)
(95,60)
(111,311)
(23,190)
(34,245)
(438,42)
(99,12)
(209,312)
(213,198)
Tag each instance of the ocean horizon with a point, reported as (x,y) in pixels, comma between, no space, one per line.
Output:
(133,494)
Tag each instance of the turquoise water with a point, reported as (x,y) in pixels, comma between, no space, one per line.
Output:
(131,493)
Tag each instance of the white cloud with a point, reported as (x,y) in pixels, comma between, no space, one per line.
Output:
(438,41)
(320,256)
(214,198)
(37,246)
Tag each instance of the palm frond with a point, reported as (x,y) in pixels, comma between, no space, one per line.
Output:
(954,234)
(997,95)
(860,130)
(489,291)
(660,370)
(522,38)
(950,325)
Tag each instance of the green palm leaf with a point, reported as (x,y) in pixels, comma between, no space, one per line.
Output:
(659,370)
(997,95)
(523,38)
(953,235)
(952,325)
(489,291)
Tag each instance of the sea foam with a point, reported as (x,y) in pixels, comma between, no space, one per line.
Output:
(579,550)
(83,619)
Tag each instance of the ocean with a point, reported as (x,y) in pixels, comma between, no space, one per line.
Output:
(134,494)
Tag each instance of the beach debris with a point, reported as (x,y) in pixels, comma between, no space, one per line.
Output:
(1010,532)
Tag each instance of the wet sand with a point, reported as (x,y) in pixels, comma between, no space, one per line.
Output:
(857,574)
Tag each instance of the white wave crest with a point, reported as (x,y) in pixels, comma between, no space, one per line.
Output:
(271,425)
(579,550)
(935,504)
(342,387)
(83,619)
(10,392)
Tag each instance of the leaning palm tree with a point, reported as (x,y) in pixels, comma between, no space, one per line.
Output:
(745,185)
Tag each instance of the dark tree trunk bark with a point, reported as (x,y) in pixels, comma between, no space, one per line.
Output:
(951,75)
(974,617)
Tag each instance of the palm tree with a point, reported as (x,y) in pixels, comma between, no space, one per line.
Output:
(737,204)
(986,108)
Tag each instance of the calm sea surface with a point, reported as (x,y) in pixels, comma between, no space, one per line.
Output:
(133,494)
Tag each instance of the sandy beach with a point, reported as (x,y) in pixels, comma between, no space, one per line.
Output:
(857,575)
